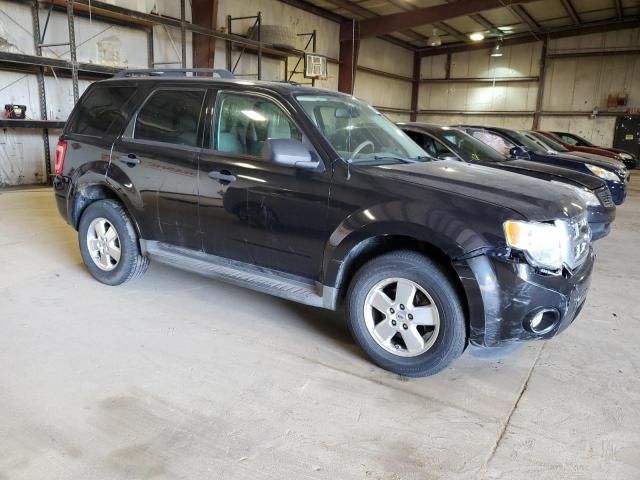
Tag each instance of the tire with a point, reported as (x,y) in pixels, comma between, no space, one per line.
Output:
(421,343)
(105,215)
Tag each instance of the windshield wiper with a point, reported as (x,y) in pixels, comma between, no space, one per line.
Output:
(395,157)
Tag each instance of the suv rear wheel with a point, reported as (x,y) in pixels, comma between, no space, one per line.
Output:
(109,243)
(405,314)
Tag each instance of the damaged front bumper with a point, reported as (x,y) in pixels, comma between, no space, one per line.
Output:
(510,301)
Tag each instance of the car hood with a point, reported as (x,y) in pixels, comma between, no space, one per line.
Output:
(533,198)
(558,173)
(597,160)
(618,150)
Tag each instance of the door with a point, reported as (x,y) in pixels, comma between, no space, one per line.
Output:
(251,209)
(627,135)
(157,159)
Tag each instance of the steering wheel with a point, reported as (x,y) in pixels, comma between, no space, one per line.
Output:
(362,146)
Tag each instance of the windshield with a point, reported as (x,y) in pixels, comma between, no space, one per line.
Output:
(358,132)
(529,143)
(549,142)
(581,142)
(468,147)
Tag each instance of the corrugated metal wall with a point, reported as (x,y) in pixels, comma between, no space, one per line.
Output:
(572,85)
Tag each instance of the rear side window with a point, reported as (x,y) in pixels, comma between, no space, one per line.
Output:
(170,116)
(102,111)
(496,142)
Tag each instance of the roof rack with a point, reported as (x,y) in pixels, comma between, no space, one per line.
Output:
(172,72)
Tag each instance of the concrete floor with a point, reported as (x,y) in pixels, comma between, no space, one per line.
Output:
(175,376)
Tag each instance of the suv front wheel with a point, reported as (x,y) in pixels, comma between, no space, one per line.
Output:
(405,314)
(109,243)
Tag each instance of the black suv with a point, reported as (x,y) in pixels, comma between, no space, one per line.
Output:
(316,197)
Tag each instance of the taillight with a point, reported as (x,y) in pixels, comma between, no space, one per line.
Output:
(61,151)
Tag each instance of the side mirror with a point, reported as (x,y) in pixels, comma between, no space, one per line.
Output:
(289,153)
(447,156)
(519,152)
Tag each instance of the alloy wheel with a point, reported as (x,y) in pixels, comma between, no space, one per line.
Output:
(401,317)
(103,244)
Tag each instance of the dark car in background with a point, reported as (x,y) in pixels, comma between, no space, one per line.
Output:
(451,143)
(555,146)
(517,144)
(576,143)
(316,197)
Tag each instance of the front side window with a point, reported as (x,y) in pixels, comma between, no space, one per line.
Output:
(245,122)
(170,116)
(569,140)
(358,132)
(101,111)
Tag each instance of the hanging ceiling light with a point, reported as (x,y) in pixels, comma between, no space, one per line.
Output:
(476,36)
(497,50)
(434,40)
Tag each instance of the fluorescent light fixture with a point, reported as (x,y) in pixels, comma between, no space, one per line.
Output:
(506,28)
(253,115)
(476,36)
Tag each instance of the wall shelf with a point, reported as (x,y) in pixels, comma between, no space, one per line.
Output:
(15,123)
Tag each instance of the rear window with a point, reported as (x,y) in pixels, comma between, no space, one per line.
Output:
(101,111)
(170,116)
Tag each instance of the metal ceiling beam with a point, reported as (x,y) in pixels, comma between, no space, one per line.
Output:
(356,9)
(520,38)
(568,6)
(527,19)
(451,31)
(315,10)
(334,17)
(401,21)
(476,17)
(443,27)
(486,24)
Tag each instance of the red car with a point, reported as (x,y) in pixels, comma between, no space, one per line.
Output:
(578,144)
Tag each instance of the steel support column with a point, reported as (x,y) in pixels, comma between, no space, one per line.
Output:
(541,83)
(42,95)
(415,86)
(72,50)
(349,47)
(183,33)
(205,14)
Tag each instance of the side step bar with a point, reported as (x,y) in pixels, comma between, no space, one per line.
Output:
(246,275)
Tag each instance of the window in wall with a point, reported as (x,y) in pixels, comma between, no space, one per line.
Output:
(245,122)
(170,116)
(102,110)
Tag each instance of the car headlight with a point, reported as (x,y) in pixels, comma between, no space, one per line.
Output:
(603,173)
(588,197)
(625,156)
(542,243)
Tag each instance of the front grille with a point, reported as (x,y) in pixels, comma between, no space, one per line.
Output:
(605,197)
(623,173)
(579,240)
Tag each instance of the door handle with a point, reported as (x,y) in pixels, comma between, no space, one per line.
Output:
(130,159)
(223,176)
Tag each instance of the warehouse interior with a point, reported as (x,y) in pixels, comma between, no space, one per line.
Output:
(179,376)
